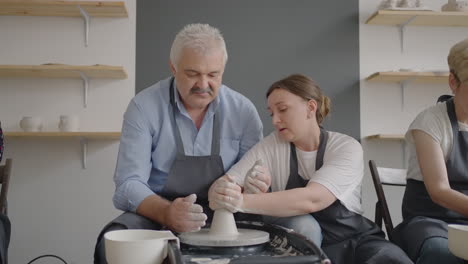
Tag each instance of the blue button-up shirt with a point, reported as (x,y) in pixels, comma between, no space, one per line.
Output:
(147,144)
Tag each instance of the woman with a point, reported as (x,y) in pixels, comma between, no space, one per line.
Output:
(437,185)
(313,172)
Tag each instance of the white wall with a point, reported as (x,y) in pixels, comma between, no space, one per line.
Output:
(55,206)
(382,108)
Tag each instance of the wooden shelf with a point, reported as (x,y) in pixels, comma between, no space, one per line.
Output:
(88,135)
(62,71)
(83,136)
(386,137)
(419,18)
(62,8)
(392,76)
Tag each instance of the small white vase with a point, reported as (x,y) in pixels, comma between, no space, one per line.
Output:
(69,123)
(31,124)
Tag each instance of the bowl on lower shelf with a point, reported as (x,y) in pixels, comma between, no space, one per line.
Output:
(458,240)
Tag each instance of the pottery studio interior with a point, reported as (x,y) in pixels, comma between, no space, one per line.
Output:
(209,132)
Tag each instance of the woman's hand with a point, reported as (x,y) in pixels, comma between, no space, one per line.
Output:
(257,179)
(225,193)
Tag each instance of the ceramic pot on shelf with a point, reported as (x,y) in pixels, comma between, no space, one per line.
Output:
(31,124)
(69,123)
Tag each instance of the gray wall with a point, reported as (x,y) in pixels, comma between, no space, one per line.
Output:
(266,40)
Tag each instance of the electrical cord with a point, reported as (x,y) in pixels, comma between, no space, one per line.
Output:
(47,256)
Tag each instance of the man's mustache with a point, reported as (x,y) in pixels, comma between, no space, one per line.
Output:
(198,90)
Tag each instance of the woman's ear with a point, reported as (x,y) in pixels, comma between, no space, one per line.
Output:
(454,83)
(312,108)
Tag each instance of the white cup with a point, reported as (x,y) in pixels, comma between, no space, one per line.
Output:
(69,123)
(31,124)
(137,246)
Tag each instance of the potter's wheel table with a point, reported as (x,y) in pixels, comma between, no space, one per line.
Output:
(284,246)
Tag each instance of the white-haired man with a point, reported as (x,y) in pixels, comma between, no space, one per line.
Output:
(178,136)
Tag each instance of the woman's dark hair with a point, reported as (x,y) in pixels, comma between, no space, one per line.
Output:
(307,89)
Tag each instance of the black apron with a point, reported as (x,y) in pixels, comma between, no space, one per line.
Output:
(422,217)
(342,229)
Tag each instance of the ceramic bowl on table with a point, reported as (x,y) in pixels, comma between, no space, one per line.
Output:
(458,240)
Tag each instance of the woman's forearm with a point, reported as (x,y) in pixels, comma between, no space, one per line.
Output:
(292,202)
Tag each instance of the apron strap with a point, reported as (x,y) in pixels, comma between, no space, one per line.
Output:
(321,148)
(453,119)
(296,181)
(215,146)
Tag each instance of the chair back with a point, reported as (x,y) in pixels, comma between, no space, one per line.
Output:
(385,176)
(5,173)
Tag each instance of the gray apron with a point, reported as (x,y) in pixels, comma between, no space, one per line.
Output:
(193,174)
(343,230)
(423,218)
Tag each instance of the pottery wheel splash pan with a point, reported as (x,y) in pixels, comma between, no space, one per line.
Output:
(245,237)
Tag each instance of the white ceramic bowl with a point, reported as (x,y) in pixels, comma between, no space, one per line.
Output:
(458,240)
(137,246)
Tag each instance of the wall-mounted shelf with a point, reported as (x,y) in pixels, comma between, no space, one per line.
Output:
(64,71)
(395,76)
(386,137)
(85,9)
(417,18)
(406,77)
(83,136)
(88,135)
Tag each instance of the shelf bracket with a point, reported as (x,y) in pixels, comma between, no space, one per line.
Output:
(402,28)
(87,21)
(84,151)
(85,79)
(403,85)
(403,147)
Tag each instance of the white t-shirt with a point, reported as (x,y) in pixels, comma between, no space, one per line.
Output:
(341,173)
(435,122)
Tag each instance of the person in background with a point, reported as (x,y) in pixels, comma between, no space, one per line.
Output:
(437,180)
(178,136)
(1,142)
(316,175)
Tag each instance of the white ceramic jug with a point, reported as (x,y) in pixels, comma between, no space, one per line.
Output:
(137,246)
(31,124)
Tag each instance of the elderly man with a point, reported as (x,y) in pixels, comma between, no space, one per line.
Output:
(178,136)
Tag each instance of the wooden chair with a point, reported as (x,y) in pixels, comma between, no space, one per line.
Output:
(5,172)
(385,176)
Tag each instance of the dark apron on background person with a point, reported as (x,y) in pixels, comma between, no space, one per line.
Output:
(342,229)
(423,218)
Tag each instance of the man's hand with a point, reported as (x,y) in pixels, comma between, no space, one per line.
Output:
(225,193)
(258,179)
(184,215)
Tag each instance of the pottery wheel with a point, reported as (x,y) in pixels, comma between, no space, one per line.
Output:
(224,233)
(246,237)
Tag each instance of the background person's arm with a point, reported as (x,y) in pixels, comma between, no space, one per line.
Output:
(432,163)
